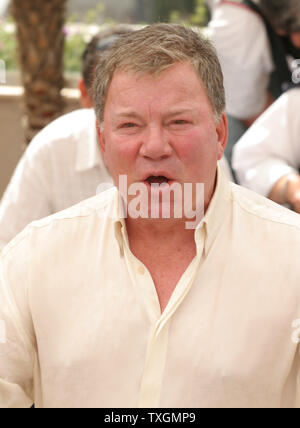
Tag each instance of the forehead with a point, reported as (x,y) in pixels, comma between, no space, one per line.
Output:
(176,84)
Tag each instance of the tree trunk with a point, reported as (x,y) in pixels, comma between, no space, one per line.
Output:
(41,45)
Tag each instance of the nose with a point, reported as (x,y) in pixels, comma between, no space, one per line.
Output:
(295,38)
(155,144)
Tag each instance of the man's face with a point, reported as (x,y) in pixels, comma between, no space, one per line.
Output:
(162,128)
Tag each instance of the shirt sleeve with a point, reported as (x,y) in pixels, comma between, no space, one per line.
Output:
(269,149)
(27,196)
(16,332)
(244,52)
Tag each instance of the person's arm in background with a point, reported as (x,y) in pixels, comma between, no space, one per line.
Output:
(287,191)
(267,158)
(27,196)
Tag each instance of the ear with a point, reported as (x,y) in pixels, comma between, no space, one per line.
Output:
(101,140)
(222,134)
(85,98)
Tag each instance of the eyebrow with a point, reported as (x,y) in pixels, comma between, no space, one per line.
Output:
(127,114)
(137,116)
(180,111)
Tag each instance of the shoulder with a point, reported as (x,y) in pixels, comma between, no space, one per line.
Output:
(236,19)
(263,211)
(62,229)
(293,100)
(101,205)
(233,29)
(76,119)
(280,122)
(289,100)
(281,115)
(293,119)
(64,131)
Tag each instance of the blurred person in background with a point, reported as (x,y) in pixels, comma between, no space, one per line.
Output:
(63,164)
(257,41)
(267,158)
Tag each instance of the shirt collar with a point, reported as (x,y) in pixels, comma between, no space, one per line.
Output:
(217,210)
(118,214)
(208,227)
(88,154)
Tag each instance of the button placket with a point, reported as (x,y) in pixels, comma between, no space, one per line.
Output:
(143,284)
(154,367)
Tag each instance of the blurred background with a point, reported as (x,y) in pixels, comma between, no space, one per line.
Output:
(41,43)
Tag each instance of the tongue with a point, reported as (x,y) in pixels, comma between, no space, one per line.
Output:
(158,180)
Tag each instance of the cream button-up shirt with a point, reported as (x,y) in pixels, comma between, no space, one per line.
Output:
(81,324)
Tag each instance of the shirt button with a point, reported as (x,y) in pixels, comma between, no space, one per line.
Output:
(141,270)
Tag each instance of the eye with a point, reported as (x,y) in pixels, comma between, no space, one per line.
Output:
(128,128)
(128,125)
(180,122)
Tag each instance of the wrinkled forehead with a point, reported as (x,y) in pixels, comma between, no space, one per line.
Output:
(178,78)
(154,68)
(175,89)
(181,75)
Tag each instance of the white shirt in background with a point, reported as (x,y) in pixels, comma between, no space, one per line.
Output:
(270,148)
(244,51)
(61,167)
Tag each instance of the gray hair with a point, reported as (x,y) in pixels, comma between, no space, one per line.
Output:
(154,49)
(282,14)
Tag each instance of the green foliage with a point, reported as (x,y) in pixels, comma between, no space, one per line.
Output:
(191,12)
(75,42)
(74,47)
(73,17)
(95,14)
(199,17)
(76,37)
(8,47)
(162,9)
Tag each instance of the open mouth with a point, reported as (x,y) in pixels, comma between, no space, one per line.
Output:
(161,179)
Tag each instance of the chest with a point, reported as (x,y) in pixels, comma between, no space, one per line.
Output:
(166,272)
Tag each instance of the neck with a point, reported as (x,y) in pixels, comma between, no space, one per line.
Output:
(159,230)
(158,244)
